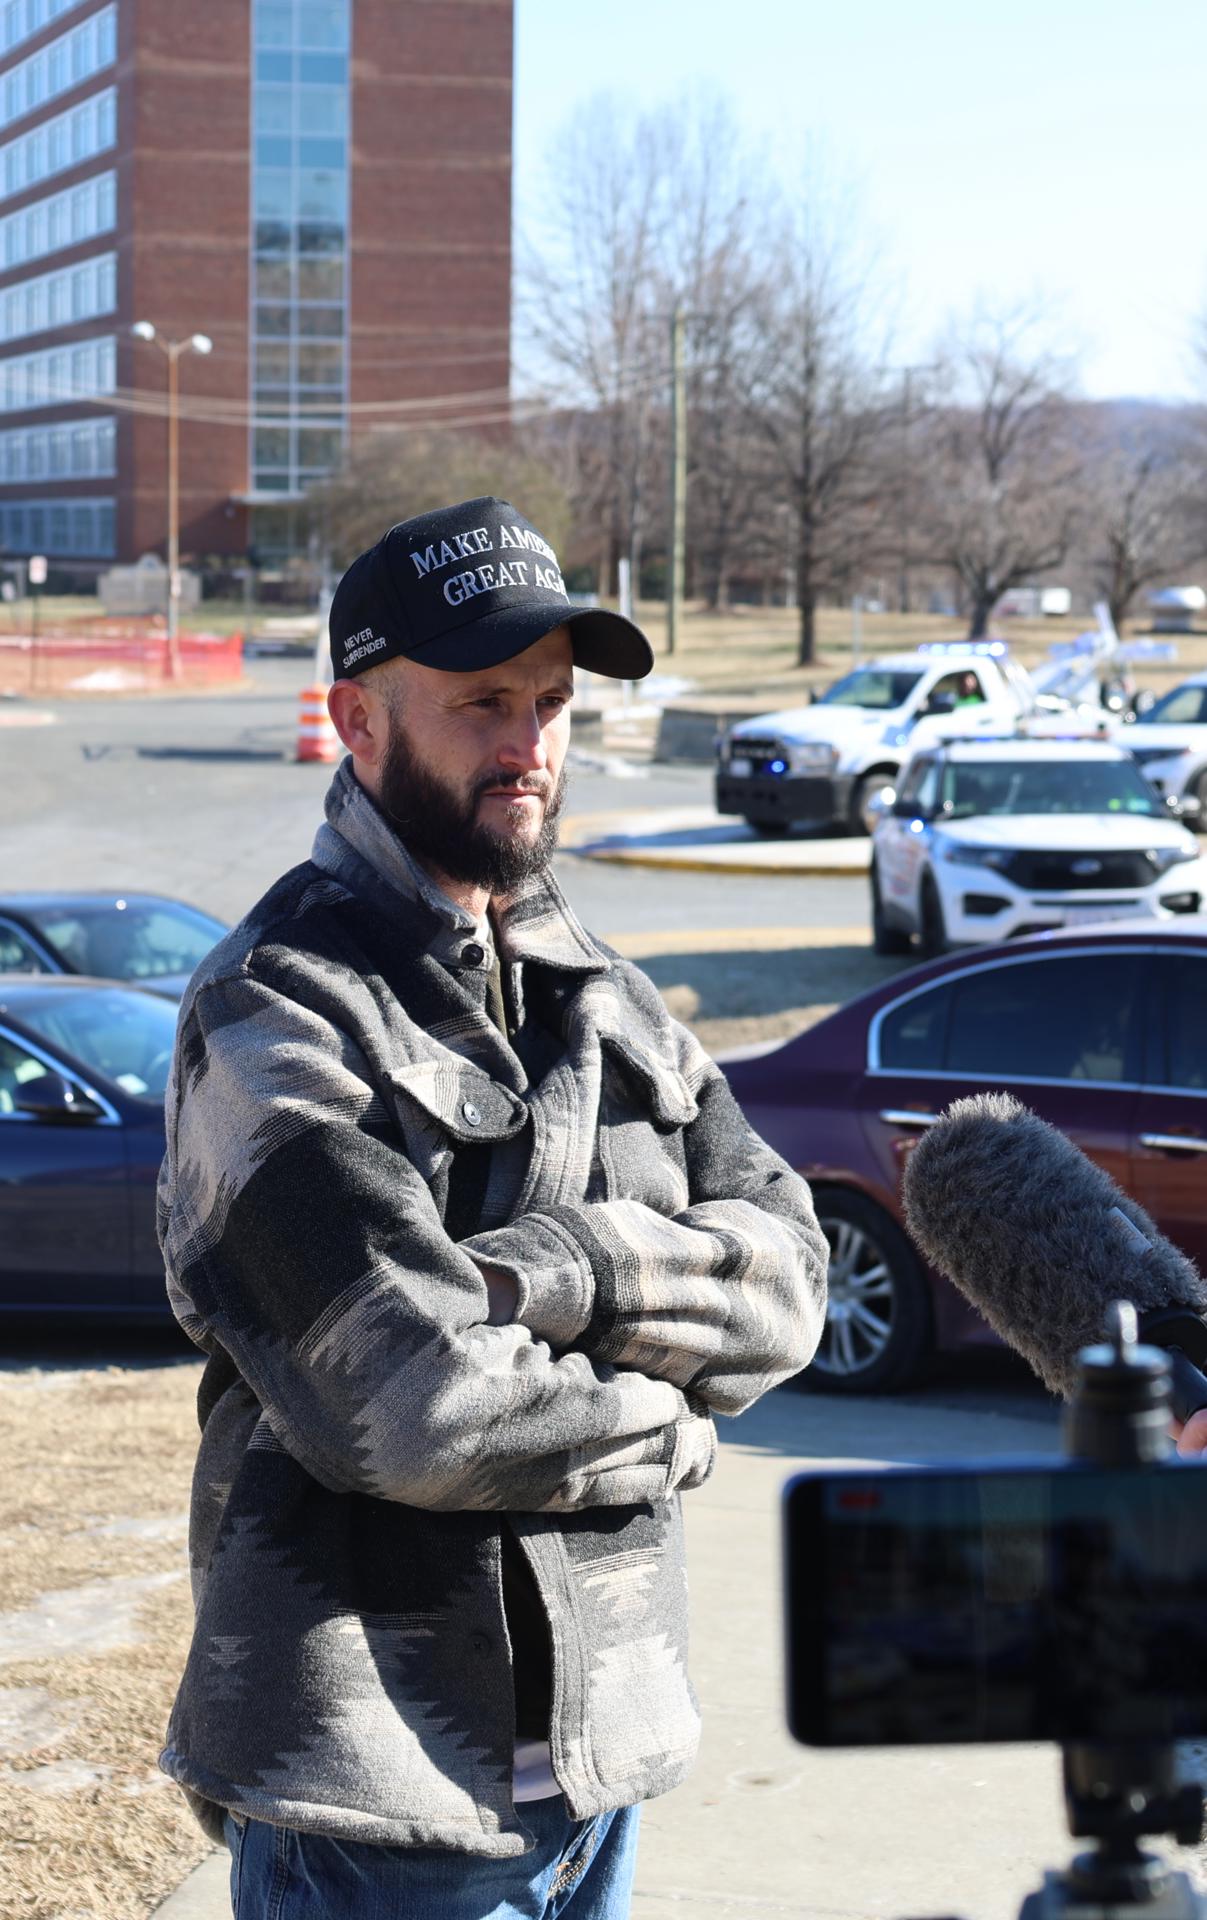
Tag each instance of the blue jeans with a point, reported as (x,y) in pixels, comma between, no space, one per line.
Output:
(582,1868)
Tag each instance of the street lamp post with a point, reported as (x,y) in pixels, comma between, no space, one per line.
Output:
(172,349)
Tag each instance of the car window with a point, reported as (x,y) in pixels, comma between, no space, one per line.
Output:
(135,942)
(1182,1054)
(1184,707)
(916,775)
(877,687)
(125,1035)
(1068,1017)
(1088,786)
(17,1069)
(16,953)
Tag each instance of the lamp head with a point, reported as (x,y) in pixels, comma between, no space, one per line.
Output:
(201,343)
(143,330)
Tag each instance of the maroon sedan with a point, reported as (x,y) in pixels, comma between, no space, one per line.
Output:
(1103,1032)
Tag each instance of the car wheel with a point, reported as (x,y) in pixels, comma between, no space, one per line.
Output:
(860,819)
(769,829)
(1197,789)
(933,927)
(886,939)
(879,1331)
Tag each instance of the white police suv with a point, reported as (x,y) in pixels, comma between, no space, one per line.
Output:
(1170,742)
(991,838)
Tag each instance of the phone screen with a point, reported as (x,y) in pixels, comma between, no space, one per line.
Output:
(997,1603)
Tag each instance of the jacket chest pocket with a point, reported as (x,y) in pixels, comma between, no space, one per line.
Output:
(644,1107)
(438,1107)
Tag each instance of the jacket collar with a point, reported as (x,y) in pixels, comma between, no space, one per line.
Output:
(535,924)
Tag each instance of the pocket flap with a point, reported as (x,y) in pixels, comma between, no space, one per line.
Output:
(671,1100)
(461,1099)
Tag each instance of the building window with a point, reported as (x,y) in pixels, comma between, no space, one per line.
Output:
(66,62)
(63,220)
(86,371)
(299,318)
(66,141)
(66,450)
(68,528)
(72,293)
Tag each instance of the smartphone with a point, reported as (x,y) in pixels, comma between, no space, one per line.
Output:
(993,1602)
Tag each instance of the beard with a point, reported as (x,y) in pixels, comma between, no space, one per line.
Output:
(438,823)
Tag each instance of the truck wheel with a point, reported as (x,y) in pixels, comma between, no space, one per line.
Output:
(879,1331)
(859,820)
(933,930)
(888,940)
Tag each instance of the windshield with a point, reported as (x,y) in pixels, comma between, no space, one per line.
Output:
(1184,707)
(135,940)
(871,687)
(1046,786)
(126,1037)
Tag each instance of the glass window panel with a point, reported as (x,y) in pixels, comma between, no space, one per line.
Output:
(37,527)
(324,323)
(322,153)
(273,199)
(321,279)
(274,69)
(273,279)
(271,400)
(58,453)
(320,366)
(273,482)
(272,446)
(106,446)
(274,150)
(35,455)
(106,132)
(16,526)
(59,526)
(106,527)
(274,110)
(1067,1020)
(274,23)
(273,322)
(322,193)
(322,23)
(322,69)
(81,529)
(320,448)
(272,365)
(326,111)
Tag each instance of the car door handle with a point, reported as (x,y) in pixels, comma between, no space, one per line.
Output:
(907,1117)
(1172,1142)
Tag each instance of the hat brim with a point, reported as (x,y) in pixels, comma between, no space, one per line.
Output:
(602,642)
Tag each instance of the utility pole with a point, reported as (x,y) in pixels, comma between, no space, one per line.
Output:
(674,571)
(905,528)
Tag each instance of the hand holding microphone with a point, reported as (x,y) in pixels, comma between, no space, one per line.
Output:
(1040,1240)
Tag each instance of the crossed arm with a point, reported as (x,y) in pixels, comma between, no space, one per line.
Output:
(298,1238)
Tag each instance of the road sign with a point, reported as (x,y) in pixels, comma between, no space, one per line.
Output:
(37,570)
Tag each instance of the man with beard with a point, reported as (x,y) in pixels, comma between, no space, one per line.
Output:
(477,1243)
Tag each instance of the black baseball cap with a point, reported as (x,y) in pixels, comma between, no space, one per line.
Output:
(465,587)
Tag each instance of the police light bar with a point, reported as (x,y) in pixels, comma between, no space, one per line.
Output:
(946,648)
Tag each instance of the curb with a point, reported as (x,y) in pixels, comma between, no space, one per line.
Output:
(203,1895)
(640,839)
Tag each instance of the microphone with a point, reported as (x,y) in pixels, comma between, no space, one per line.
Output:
(1041,1241)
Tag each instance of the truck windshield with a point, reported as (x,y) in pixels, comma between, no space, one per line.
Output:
(1046,786)
(871,687)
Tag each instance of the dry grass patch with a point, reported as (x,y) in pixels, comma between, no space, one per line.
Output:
(95,1617)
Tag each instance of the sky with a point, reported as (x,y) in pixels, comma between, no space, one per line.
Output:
(1032,152)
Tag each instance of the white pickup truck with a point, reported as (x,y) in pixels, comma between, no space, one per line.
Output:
(824,763)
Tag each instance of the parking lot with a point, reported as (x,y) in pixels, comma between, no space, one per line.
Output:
(200,796)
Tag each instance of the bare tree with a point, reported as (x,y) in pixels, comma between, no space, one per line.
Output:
(1002,471)
(814,392)
(394,473)
(1144,518)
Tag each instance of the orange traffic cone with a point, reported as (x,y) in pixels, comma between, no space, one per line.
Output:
(317,738)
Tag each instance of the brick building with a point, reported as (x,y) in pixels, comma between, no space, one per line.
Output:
(322,187)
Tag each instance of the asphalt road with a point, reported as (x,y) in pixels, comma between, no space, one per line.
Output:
(199,796)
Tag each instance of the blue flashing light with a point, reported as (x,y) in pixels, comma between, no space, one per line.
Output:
(777,766)
(946,648)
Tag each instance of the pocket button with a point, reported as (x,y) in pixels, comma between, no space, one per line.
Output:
(470,1114)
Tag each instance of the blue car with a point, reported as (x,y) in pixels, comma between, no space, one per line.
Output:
(83,1069)
(144,937)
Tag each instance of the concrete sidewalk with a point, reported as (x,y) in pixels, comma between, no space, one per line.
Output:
(767,1828)
(697,840)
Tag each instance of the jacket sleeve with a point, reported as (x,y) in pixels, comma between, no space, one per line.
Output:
(726,1298)
(299,1239)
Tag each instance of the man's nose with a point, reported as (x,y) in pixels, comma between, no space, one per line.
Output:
(522,746)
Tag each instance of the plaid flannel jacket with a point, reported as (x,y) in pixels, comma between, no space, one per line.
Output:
(346,1128)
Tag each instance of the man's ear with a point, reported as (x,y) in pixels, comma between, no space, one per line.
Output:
(361,719)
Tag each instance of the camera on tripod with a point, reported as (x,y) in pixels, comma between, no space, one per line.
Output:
(996,1602)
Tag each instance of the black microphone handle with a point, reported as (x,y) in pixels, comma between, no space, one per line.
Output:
(1188,1387)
